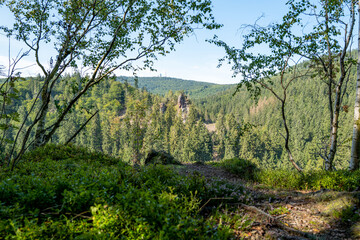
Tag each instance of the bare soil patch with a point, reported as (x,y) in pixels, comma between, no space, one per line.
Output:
(284,214)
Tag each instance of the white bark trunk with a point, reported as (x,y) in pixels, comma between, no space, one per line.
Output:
(355,148)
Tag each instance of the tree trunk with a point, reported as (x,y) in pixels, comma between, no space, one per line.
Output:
(329,162)
(334,128)
(355,148)
(287,137)
(40,130)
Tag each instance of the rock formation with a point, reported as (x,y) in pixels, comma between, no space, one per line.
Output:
(183,105)
(163,108)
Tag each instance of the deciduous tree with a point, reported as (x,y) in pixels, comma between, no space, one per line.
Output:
(258,70)
(328,46)
(355,148)
(100,35)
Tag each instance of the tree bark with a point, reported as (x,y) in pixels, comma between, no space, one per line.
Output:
(287,137)
(329,162)
(355,148)
(334,128)
(40,131)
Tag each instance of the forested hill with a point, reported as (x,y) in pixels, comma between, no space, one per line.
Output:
(308,119)
(162,85)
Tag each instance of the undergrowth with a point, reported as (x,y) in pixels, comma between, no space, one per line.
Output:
(65,192)
(341,180)
(240,167)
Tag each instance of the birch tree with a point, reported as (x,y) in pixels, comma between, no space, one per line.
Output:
(328,47)
(257,71)
(355,148)
(99,35)
(324,38)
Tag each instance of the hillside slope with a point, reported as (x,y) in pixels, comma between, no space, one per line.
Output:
(162,85)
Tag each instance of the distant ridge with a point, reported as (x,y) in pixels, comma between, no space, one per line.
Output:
(162,85)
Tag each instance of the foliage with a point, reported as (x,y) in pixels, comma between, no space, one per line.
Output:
(222,188)
(154,157)
(356,230)
(8,95)
(278,63)
(341,180)
(233,220)
(62,152)
(241,167)
(167,132)
(67,192)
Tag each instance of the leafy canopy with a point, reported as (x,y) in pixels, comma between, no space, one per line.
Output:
(107,34)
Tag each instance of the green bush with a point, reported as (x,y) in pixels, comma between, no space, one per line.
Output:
(241,167)
(85,195)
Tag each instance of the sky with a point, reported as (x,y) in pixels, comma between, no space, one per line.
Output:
(194,58)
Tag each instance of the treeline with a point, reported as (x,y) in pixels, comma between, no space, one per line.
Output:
(162,85)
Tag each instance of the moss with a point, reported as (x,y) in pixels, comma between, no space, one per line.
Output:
(344,208)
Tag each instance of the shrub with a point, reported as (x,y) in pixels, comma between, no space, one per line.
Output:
(160,157)
(280,178)
(62,152)
(234,220)
(241,167)
(84,195)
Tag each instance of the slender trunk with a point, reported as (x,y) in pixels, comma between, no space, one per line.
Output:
(40,130)
(329,163)
(330,68)
(334,129)
(355,148)
(330,103)
(287,137)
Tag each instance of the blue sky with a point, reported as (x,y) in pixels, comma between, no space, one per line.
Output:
(194,59)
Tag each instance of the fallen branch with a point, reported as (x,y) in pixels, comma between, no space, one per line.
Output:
(277,222)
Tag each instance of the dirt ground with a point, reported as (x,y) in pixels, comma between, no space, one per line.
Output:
(321,214)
